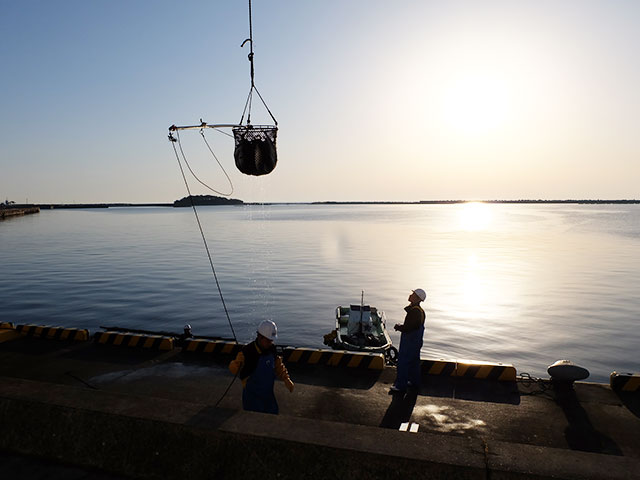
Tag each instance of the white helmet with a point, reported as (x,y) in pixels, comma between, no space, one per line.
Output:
(422,295)
(268,329)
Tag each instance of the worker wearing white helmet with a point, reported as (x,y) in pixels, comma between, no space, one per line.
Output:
(411,332)
(258,365)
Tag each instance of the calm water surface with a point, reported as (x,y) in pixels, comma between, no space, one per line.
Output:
(520,284)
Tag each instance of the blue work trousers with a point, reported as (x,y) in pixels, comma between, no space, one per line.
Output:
(409,359)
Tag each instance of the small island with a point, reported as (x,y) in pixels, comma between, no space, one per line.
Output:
(206,200)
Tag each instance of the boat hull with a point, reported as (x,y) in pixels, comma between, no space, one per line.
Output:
(369,336)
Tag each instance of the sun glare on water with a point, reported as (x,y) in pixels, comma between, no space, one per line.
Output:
(474,216)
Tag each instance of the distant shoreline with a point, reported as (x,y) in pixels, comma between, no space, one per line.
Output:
(47,206)
(451,202)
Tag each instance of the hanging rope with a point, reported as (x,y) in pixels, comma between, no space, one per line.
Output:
(176,139)
(221,167)
(204,240)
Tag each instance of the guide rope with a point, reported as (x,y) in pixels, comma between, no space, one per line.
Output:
(176,139)
(204,239)
(214,156)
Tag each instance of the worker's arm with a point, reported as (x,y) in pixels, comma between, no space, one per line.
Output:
(283,374)
(412,321)
(236,365)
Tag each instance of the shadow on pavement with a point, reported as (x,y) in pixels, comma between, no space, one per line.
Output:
(113,354)
(470,389)
(303,373)
(631,400)
(36,346)
(204,359)
(211,417)
(323,376)
(400,409)
(580,433)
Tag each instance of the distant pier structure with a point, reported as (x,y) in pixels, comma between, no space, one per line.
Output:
(7,212)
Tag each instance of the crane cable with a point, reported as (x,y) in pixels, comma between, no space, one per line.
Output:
(247,105)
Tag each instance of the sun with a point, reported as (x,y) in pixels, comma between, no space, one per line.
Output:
(476,104)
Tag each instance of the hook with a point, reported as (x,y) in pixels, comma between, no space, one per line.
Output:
(247,40)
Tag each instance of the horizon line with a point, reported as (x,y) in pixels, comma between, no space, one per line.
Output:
(326,202)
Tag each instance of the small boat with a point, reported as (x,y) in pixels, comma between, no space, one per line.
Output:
(361,328)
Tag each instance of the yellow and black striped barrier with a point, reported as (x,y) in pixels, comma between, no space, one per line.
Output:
(213,347)
(53,333)
(625,382)
(334,358)
(8,332)
(154,342)
(469,369)
(486,371)
(437,367)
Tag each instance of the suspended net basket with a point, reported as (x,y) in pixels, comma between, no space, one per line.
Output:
(255,152)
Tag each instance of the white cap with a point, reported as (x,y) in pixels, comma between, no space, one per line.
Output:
(268,329)
(420,293)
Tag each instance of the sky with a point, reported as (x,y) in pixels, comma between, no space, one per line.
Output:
(375,100)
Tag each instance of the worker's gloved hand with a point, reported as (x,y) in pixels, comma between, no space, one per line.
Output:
(289,384)
(235,366)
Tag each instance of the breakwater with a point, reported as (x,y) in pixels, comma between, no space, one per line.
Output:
(13,212)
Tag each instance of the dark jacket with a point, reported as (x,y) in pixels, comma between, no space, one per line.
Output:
(248,358)
(251,353)
(413,320)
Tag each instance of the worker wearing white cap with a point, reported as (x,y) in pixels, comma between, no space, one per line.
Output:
(412,330)
(257,365)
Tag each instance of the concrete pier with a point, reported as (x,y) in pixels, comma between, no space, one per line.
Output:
(137,413)
(15,212)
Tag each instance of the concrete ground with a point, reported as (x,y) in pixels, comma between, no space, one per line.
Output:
(122,412)
(22,467)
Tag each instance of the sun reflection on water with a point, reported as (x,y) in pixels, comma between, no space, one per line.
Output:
(473,285)
(475,216)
